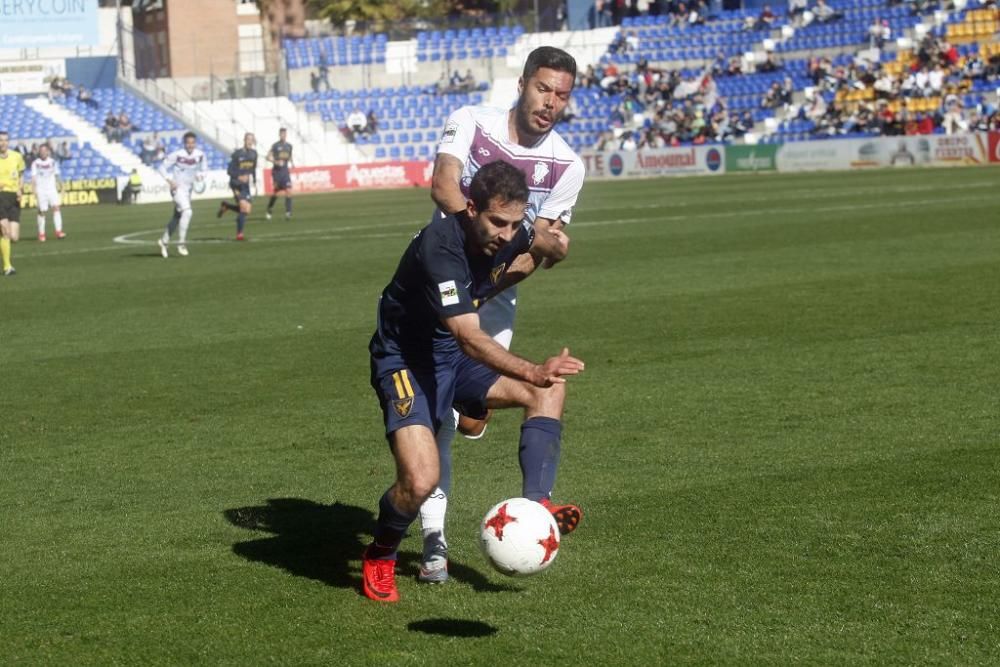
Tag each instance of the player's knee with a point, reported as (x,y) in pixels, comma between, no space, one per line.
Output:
(548,401)
(414,489)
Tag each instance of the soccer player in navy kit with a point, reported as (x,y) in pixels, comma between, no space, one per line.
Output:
(242,169)
(428,353)
(280,156)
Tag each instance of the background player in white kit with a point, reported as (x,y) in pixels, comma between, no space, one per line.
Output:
(523,136)
(46,184)
(181,169)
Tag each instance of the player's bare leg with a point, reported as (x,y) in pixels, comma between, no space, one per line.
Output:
(417,473)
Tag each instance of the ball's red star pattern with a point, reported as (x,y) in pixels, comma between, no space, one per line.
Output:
(550,544)
(499,520)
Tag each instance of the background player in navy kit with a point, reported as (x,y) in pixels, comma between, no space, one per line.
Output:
(280,156)
(429,352)
(242,169)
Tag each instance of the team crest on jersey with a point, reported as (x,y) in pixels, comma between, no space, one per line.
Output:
(541,171)
(402,406)
(497,272)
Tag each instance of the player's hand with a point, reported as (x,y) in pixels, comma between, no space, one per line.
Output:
(172,185)
(555,368)
(563,239)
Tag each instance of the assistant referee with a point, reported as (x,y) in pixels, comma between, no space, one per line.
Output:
(11,187)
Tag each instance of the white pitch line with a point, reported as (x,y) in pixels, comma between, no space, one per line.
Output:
(342,233)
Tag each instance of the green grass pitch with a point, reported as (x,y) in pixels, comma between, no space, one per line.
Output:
(785,442)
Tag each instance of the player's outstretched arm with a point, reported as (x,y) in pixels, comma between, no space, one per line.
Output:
(478,345)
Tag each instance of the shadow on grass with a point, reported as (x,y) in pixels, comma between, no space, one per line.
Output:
(324,542)
(450,627)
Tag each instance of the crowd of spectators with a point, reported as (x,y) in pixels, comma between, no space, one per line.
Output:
(899,98)
(61,152)
(659,107)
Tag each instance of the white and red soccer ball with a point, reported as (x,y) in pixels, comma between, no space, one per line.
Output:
(519,537)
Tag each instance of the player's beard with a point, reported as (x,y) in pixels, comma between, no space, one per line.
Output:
(522,120)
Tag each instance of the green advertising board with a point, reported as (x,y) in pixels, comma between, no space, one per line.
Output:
(761,157)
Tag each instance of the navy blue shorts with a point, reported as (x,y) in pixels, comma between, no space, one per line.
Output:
(426,394)
(241,190)
(281,180)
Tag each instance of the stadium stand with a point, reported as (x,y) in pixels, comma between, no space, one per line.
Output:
(335,51)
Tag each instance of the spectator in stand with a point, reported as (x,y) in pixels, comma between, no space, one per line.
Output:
(55,89)
(84,96)
(151,146)
(771,63)
(886,87)
(628,142)
(886,119)
(371,126)
(63,153)
(125,127)
(467,83)
(948,54)
(356,123)
(30,156)
(796,8)
(323,78)
(110,128)
(878,33)
(766,18)
(824,13)
(953,119)
(925,123)
(771,99)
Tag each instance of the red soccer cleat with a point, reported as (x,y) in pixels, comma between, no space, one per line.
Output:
(239,236)
(378,579)
(60,234)
(41,238)
(567,516)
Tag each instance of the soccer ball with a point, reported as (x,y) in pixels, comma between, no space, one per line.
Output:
(519,537)
(199,186)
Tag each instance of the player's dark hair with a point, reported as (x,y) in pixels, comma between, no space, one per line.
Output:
(190,134)
(498,180)
(5,132)
(549,57)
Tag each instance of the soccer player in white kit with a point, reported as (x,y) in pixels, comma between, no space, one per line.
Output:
(181,169)
(46,183)
(524,136)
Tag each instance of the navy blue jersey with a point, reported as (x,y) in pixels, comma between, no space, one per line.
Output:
(281,153)
(437,279)
(242,163)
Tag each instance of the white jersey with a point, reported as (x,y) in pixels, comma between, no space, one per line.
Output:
(182,167)
(478,135)
(44,173)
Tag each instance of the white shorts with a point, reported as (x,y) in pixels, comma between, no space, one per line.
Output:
(47,198)
(496,317)
(182,196)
